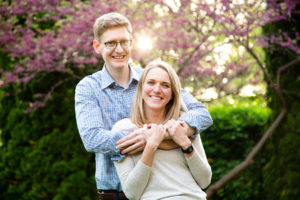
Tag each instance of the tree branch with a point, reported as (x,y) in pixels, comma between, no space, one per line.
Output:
(284,67)
(35,105)
(249,160)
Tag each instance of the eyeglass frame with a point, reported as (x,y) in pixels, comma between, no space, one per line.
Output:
(116,44)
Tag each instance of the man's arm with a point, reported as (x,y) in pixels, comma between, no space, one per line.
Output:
(197,117)
(90,123)
(136,141)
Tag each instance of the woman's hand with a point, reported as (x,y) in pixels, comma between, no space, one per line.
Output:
(176,131)
(155,134)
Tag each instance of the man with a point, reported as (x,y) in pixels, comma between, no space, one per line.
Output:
(105,97)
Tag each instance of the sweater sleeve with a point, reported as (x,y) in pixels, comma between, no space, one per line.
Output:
(198,164)
(133,176)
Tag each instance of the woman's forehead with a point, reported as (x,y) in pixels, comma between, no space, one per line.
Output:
(158,73)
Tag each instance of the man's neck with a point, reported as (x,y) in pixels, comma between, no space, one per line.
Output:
(121,76)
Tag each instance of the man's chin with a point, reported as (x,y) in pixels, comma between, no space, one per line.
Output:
(120,65)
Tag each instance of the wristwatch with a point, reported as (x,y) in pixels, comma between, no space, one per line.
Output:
(188,150)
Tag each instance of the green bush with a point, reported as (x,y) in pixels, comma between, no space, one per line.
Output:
(41,153)
(234,133)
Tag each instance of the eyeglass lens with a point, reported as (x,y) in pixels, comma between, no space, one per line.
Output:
(113,44)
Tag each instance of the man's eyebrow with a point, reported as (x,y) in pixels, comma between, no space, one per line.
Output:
(118,40)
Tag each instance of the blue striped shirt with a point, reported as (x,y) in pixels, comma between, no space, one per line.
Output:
(100,102)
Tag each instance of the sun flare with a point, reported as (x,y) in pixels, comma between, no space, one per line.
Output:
(144,43)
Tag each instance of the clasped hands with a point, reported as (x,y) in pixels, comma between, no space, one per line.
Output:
(171,135)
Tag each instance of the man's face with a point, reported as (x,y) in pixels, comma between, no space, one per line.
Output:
(115,57)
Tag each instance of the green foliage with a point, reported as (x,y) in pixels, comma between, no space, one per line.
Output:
(281,173)
(41,153)
(235,132)
(285,186)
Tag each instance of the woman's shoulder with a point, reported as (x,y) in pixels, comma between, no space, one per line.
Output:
(124,125)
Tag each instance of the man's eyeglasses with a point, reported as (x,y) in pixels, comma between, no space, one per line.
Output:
(113,44)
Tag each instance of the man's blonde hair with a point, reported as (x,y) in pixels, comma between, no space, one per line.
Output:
(172,110)
(110,20)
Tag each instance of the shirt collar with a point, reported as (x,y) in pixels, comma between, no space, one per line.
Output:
(133,74)
(107,80)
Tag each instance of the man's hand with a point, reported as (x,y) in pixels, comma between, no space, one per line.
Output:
(132,143)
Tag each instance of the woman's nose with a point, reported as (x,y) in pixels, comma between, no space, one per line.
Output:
(157,88)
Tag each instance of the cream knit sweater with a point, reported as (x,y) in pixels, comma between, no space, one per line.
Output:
(172,175)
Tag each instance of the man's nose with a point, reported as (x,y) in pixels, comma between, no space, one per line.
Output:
(119,48)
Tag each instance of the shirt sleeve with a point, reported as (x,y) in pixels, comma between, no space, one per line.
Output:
(198,164)
(197,116)
(91,125)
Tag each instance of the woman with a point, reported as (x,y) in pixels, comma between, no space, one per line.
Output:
(154,173)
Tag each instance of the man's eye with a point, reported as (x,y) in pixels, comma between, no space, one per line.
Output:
(111,43)
(125,42)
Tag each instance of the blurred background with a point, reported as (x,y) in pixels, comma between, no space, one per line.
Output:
(241,58)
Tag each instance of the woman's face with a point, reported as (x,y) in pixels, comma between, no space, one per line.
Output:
(157,90)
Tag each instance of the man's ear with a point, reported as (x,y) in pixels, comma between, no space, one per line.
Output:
(96,46)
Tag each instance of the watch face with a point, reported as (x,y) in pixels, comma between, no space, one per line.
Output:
(188,150)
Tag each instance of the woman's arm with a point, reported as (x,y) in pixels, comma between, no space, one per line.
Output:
(134,178)
(197,161)
(156,135)
(198,164)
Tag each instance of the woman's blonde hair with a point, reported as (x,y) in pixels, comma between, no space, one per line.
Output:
(172,110)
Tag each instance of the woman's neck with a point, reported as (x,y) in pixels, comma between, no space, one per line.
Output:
(155,116)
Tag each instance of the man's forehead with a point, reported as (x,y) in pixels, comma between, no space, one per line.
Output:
(115,34)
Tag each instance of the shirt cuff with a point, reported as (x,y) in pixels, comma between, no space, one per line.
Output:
(118,158)
(185,118)
(116,137)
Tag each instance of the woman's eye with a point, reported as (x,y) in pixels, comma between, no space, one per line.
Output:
(166,86)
